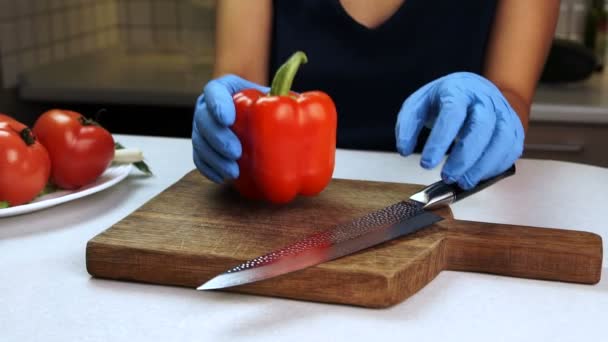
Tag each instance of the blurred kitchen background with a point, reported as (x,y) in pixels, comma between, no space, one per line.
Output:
(138,66)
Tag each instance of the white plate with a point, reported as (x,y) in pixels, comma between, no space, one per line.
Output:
(110,177)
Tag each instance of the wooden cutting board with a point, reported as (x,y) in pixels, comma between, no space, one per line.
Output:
(195,230)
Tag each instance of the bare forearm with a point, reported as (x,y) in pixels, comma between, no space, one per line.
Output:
(518,47)
(243,39)
(521,106)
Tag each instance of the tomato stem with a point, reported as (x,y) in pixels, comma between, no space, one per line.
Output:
(27,136)
(4,204)
(88,122)
(99,112)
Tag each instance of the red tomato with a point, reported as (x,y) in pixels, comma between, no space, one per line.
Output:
(80,149)
(25,165)
(6,120)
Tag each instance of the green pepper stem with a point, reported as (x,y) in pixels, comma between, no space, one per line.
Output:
(283,79)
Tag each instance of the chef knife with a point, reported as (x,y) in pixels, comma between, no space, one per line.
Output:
(399,219)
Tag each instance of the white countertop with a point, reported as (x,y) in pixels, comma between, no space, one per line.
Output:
(46,293)
(116,77)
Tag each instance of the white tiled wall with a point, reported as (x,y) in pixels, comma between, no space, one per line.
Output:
(165,25)
(36,32)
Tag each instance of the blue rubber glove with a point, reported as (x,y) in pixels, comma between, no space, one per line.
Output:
(469,110)
(215,147)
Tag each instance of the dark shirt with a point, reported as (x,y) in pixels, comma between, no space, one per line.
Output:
(370,72)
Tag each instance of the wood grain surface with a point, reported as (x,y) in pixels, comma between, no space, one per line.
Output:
(195,230)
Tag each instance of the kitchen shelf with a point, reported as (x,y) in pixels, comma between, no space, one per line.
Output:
(118,77)
(581,102)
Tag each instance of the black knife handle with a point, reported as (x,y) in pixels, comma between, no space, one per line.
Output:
(459,193)
(440,194)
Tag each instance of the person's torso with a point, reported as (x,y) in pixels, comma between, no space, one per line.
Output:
(370,72)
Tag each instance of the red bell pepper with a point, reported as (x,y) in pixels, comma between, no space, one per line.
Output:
(288,140)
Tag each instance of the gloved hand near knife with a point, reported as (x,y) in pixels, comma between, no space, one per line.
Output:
(470,111)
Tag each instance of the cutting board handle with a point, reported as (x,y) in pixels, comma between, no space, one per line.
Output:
(510,250)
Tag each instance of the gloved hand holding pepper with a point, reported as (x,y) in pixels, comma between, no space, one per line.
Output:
(274,144)
(216,148)
(469,110)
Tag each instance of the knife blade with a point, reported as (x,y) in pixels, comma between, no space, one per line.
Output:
(399,219)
